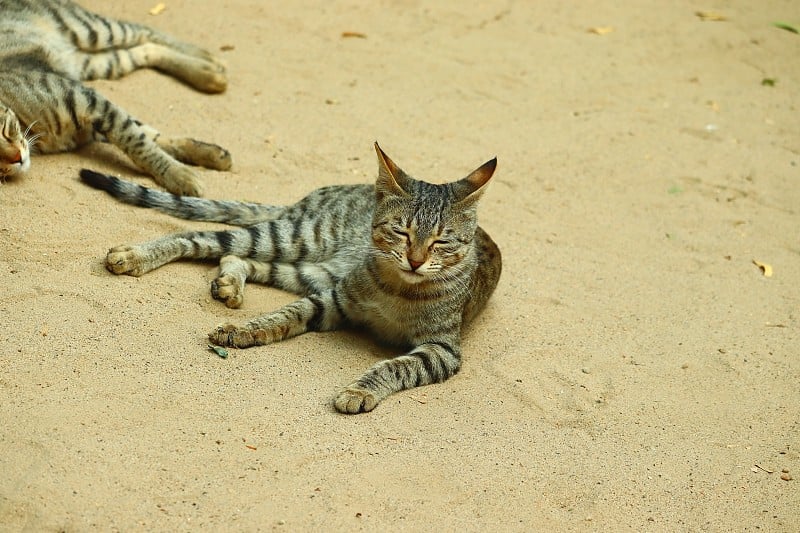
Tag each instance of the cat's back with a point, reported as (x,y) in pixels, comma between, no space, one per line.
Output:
(343,205)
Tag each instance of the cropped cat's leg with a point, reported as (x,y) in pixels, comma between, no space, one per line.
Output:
(139,45)
(299,278)
(432,362)
(316,312)
(204,75)
(111,122)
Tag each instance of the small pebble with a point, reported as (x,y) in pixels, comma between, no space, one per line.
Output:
(786,477)
(586,370)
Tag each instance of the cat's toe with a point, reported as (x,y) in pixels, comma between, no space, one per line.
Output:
(227,290)
(124,260)
(354,400)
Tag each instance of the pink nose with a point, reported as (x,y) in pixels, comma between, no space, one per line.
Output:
(17,158)
(415,264)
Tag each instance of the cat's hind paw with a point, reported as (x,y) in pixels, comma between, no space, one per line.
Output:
(228,289)
(354,400)
(125,260)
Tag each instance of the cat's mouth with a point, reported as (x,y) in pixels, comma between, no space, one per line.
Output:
(411,276)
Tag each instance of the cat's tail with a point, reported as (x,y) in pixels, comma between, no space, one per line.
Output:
(186,207)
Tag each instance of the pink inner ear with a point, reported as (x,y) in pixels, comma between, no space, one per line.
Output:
(479,177)
(387,162)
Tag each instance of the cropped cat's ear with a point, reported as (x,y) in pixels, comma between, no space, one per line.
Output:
(390,176)
(471,188)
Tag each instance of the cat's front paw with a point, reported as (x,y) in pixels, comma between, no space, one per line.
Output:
(181,180)
(125,260)
(228,290)
(354,400)
(236,337)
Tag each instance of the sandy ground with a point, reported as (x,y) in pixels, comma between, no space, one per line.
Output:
(635,369)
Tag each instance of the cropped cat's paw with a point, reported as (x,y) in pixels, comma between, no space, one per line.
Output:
(233,336)
(228,290)
(203,154)
(353,400)
(125,260)
(207,75)
(181,180)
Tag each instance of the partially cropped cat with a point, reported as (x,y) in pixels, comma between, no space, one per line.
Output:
(47,47)
(404,259)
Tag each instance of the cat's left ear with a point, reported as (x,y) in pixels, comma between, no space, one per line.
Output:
(472,187)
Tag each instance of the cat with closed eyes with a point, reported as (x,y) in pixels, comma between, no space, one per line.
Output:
(403,259)
(49,47)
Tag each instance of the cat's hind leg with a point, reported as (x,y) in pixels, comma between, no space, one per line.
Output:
(298,278)
(139,259)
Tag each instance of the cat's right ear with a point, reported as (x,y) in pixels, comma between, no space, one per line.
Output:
(389,176)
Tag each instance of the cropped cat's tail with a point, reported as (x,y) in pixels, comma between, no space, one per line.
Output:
(186,207)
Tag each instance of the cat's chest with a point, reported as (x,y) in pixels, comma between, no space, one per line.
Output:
(395,319)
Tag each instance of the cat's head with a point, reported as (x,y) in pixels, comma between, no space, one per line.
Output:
(15,155)
(425,229)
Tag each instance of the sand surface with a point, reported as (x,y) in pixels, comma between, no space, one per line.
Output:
(634,371)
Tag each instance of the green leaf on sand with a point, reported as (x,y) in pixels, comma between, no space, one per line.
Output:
(219,350)
(787,27)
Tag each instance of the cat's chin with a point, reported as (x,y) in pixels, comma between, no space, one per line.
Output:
(412,277)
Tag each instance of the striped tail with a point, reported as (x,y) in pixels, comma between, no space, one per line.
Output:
(186,207)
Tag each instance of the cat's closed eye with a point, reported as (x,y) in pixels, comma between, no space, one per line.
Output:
(401,233)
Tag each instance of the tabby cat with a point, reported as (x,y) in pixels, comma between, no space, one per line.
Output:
(47,47)
(404,259)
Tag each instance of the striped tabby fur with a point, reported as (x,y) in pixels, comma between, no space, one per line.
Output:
(404,259)
(48,47)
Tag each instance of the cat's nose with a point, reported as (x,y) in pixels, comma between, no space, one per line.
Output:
(414,264)
(16,159)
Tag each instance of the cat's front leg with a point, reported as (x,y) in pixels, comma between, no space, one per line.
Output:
(432,362)
(316,312)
